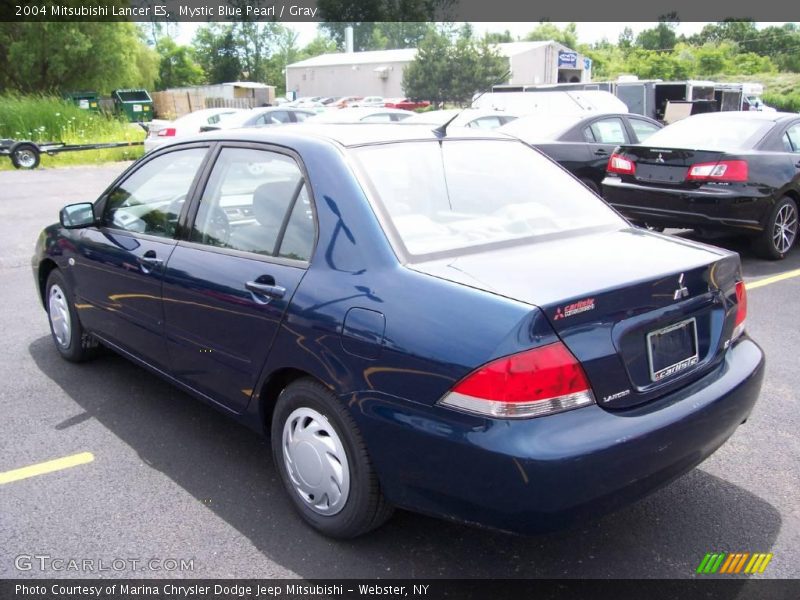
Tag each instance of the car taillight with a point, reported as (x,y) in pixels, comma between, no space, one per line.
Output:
(741,310)
(532,383)
(723,170)
(618,164)
(167,132)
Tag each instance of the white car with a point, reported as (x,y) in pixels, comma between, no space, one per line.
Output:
(361,115)
(370,101)
(159,132)
(467,117)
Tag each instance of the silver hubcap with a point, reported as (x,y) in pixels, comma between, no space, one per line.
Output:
(26,158)
(316,461)
(59,316)
(785,229)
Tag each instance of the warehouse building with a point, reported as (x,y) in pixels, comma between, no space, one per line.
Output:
(380,73)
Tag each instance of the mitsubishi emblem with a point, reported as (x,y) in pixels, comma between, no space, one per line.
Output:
(682,291)
(660,159)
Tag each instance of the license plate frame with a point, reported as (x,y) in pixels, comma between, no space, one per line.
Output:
(681,365)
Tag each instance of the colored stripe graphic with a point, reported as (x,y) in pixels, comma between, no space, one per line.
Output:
(733,563)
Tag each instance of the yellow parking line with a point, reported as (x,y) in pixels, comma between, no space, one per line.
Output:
(775,278)
(46,467)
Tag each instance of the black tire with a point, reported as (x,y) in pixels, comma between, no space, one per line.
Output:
(772,244)
(591,185)
(365,508)
(25,156)
(77,345)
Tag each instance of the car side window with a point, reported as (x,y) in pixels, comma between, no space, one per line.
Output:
(485,123)
(378,118)
(256,201)
(301,116)
(150,200)
(793,137)
(608,131)
(642,129)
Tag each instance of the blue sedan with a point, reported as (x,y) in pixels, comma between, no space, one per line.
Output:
(445,322)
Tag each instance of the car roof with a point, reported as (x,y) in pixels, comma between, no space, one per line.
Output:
(749,115)
(343,134)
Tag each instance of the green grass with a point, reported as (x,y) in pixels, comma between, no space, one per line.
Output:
(781,90)
(50,119)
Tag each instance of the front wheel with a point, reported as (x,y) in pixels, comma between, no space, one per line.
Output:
(323,463)
(25,156)
(780,232)
(71,341)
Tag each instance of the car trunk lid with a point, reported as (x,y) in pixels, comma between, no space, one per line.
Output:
(666,166)
(615,298)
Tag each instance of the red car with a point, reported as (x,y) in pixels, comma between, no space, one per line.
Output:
(405,103)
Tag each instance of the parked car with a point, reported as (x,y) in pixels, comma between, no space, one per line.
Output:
(448,324)
(362,115)
(405,103)
(369,102)
(734,172)
(344,102)
(582,144)
(160,132)
(260,117)
(468,117)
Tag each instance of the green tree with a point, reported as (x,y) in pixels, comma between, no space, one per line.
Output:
(447,70)
(548,31)
(65,56)
(495,37)
(217,52)
(661,38)
(177,67)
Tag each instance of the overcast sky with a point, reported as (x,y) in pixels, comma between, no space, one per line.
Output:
(587,32)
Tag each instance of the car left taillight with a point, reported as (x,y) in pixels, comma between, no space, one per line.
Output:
(741,310)
(723,170)
(167,132)
(620,165)
(533,383)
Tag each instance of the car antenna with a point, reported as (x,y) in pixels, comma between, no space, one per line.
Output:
(441,130)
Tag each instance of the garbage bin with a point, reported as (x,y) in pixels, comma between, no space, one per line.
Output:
(135,104)
(84,100)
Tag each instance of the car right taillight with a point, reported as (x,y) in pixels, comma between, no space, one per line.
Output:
(166,132)
(533,383)
(741,310)
(620,165)
(723,170)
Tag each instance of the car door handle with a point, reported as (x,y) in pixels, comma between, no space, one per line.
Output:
(797,164)
(601,152)
(149,260)
(266,289)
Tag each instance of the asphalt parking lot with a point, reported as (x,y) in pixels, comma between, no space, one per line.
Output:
(169,478)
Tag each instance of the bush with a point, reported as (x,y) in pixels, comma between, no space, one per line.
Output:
(786,102)
(51,119)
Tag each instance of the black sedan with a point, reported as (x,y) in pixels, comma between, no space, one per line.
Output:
(582,144)
(736,172)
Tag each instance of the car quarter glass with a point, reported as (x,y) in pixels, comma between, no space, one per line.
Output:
(444,196)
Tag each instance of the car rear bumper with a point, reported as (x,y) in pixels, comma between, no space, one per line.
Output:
(717,208)
(539,474)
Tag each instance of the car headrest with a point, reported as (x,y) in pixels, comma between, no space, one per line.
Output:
(270,201)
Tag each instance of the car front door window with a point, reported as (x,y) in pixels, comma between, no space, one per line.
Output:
(150,200)
(793,138)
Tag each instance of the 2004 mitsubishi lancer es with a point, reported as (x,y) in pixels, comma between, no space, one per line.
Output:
(441,321)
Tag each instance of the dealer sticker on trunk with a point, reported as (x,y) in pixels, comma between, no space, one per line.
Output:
(576,308)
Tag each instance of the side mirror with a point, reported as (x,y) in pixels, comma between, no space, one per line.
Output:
(75,216)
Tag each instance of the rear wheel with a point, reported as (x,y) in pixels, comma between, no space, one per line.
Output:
(780,232)
(71,341)
(323,463)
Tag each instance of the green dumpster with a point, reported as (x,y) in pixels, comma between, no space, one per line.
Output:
(135,104)
(84,100)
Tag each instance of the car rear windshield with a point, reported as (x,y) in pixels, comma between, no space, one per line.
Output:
(457,194)
(715,133)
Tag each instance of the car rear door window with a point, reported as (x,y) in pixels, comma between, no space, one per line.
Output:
(608,131)
(642,129)
(485,123)
(150,199)
(256,201)
(793,138)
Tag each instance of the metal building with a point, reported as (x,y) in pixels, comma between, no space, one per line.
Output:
(380,73)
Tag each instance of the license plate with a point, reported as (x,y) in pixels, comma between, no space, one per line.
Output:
(672,349)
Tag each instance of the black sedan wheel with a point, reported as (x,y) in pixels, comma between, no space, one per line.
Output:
(71,341)
(780,233)
(323,462)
